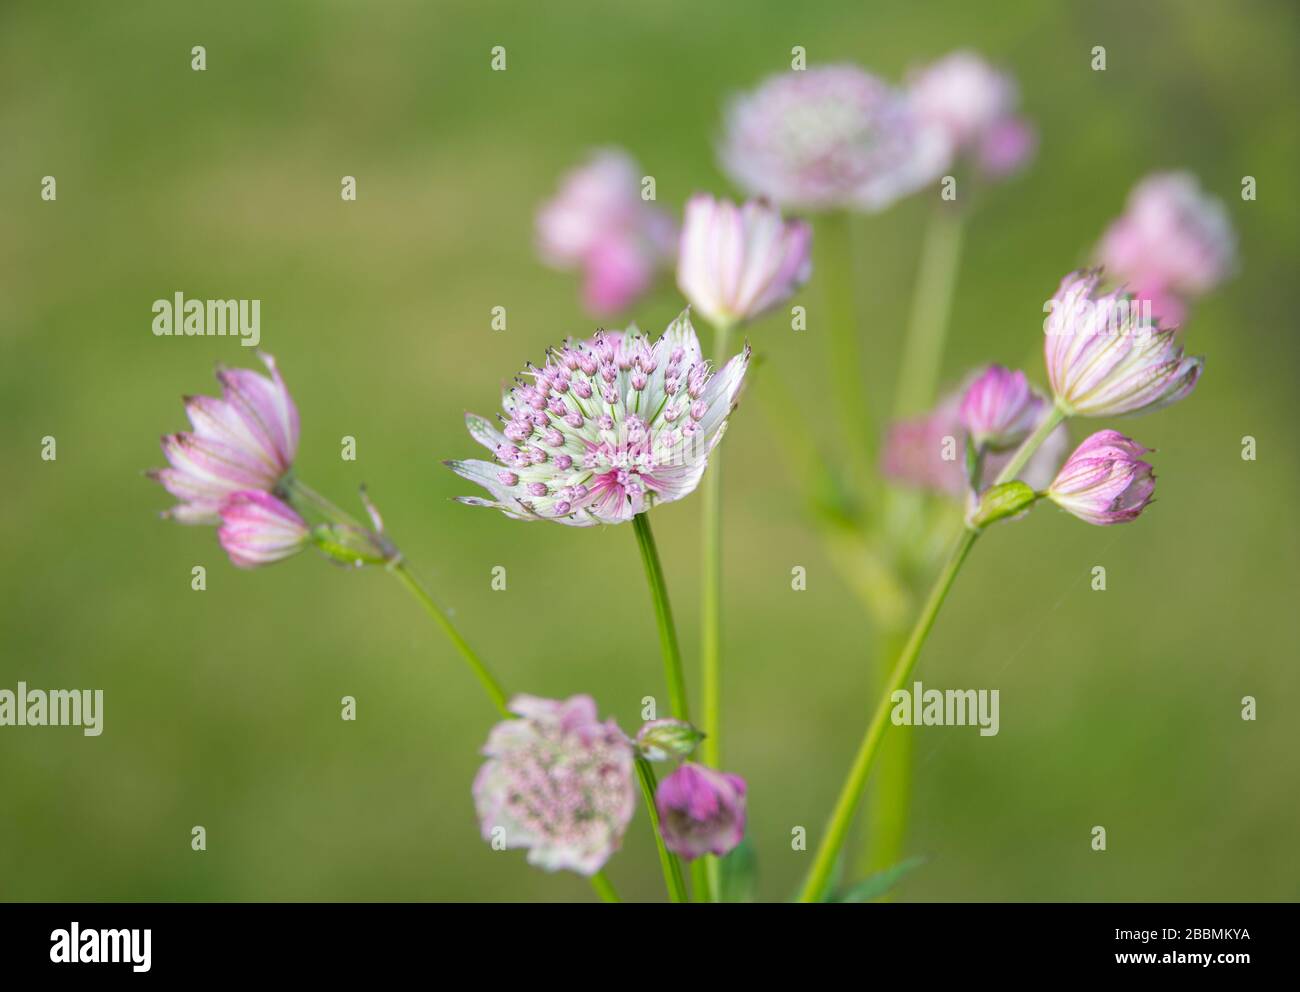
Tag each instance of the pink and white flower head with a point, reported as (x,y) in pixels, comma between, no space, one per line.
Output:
(558,782)
(999,410)
(1104,355)
(246,440)
(606,429)
(599,223)
(1105,481)
(737,262)
(258,529)
(928,452)
(1172,239)
(829,138)
(975,107)
(701,811)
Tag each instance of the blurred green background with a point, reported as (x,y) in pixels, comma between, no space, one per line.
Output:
(1119,708)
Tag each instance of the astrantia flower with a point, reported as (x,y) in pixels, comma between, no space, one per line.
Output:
(1105,358)
(736,262)
(827,138)
(257,529)
(974,104)
(928,452)
(246,440)
(605,429)
(1171,238)
(599,223)
(999,409)
(1105,481)
(701,811)
(558,782)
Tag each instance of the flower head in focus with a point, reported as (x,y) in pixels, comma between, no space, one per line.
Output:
(605,429)
(701,811)
(258,529)
(558,782)
(1105,481)
(974,105)
(737,262)
(833,137)
(599,223)
(1106,357)
(244,441)
(1173,243)
(999,410)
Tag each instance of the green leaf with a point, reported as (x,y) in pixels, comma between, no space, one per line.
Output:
(875,886)
(738,874)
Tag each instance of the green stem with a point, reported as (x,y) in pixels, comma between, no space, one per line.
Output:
(890,789)
(927,328)
(493,687)
(851,792)
(603,888)
(663,615)
(1055,417)
(672,867)
(834,246)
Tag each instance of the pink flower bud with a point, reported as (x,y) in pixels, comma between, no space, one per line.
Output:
(258,529)
(1105,481)
(701,811)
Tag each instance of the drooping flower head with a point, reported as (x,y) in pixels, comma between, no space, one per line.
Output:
(974,105)
(828,138)
(928,452)
(737,262)
(244,441)
(999,410)
(1105,481)
(558,782)
(258,529)
(701,811)
(1106,356)
(605,429)
(1172,242)
(598,223)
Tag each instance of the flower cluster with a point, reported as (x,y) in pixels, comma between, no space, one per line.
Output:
(599,224)
(1173,243)
(605,429)
(558,782)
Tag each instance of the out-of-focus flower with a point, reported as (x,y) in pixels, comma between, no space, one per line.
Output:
(1105,481)
(999,410)
(246,440)
(599,223)
(1105,358)
(736,262)
(660,740)
(1173,242)
(605,429)
(928,452)
(558,782)
(829,138)
(975,106)
(258,529)
(701,811)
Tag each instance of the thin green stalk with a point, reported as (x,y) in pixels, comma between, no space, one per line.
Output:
(889,794)
(851,792)
(493,687)
(927,328)
(603,888)
(672,867)
(663,615)
(1055,417)
(833,243)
